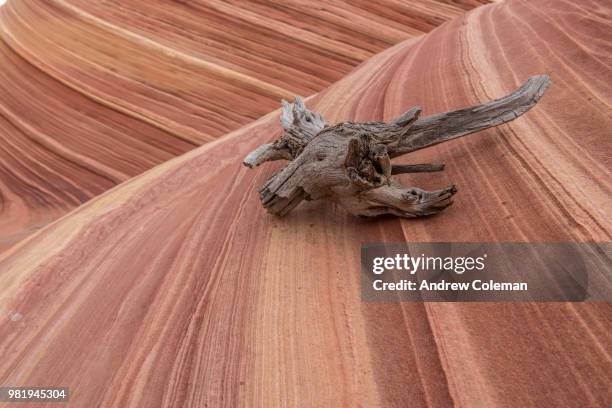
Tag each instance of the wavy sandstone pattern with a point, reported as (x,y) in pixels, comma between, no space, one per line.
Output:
(177,289)
(95,92)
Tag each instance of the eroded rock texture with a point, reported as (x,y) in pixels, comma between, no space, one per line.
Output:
(95,92)
(173,289)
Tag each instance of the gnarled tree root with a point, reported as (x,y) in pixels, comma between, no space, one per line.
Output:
(350,163)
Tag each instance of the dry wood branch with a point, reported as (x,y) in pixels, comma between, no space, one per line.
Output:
(350,163)
(300,126)
(445,126)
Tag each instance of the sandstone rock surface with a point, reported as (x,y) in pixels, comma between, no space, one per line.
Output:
(175,288)
(96,92)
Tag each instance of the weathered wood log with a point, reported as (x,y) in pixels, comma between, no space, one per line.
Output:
(350,163)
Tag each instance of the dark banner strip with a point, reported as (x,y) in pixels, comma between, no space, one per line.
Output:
(486,272)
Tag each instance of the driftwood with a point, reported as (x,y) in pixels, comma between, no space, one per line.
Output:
(350,163)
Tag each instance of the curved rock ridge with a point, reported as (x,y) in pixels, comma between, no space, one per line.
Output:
(176,289)
(96,92)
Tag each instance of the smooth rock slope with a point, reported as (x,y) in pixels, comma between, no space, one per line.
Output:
(177,289)
(96,92)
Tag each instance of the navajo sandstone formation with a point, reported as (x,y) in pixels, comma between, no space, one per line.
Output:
(176,288)
(96,92)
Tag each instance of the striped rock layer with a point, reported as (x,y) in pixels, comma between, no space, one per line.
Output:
(96,92)
(176,289)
